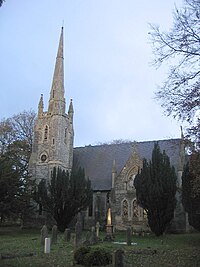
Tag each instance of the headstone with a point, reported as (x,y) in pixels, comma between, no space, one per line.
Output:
(78,234)
(44,234)
(54,234)
(97,229)
(67,235)
(87,239)
(128,236)
(118,258)
(47,245)
(93,237)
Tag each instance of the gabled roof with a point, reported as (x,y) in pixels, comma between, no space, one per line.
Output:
(98,160)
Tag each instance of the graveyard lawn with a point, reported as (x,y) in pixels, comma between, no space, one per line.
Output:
(22,248)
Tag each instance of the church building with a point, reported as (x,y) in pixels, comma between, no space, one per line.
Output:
(53,132)
(111,168)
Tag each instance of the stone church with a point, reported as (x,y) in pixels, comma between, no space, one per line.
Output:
(111,168)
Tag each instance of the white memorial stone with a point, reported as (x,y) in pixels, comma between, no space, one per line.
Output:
(47,245)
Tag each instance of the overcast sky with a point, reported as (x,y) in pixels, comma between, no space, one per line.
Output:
(107,57)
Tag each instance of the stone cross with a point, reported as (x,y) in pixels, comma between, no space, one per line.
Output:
(44,234)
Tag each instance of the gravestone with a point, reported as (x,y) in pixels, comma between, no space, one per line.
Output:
(44,234)
(47,245)
(78,234)
(67,235)
(87,239)
(128,236)
(97,229)
(93,237)
(118,259)
(54,234)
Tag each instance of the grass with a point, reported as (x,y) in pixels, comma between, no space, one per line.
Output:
(168,250)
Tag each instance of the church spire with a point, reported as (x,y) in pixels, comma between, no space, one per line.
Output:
(40,106)
(71,111)
(57,100)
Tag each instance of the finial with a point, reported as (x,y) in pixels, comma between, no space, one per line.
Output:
(182,136)
(114,166)
(71,110)
(135,148)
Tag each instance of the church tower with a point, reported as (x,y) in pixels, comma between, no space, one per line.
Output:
(53,132)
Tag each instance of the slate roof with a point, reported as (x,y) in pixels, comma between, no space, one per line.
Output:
(98,160)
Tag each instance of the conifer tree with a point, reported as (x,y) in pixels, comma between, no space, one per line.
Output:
(191,189)
(155,189)
(65,195)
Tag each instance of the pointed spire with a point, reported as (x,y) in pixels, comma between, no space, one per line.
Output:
(71,109)
(57,99)
(114,169)
(40,106)
(114,173)
(60,48)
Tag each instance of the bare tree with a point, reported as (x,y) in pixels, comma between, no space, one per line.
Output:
(1,2)
(17,132)
(180,47)
(15,148)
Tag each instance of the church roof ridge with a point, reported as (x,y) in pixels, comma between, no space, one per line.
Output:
(127,142)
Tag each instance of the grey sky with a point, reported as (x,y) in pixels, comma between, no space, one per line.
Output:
(107,64)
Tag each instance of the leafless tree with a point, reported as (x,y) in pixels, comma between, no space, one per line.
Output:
(180,47)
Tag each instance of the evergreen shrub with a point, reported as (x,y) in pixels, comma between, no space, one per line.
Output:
(88,256)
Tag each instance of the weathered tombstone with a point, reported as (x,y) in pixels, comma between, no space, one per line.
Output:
(97,229)
(93,237)
(78,234)
(118,259)
(44,234)
(67,235)
(128,236)
(47,245)
(87,239)
(54,234)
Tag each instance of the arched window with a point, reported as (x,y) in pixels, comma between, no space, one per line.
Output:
(46,132)
(125,209)
(135,209)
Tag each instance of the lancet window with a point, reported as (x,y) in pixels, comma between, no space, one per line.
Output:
(125,209)
(135,209)
(46,132)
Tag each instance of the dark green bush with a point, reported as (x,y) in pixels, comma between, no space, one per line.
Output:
(92,256)
(80,254)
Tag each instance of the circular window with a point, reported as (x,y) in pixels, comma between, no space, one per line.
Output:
(43,158)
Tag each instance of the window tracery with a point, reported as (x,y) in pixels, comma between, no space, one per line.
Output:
(135,209)
(125,209)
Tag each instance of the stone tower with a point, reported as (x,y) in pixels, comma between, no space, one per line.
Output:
(53,132)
